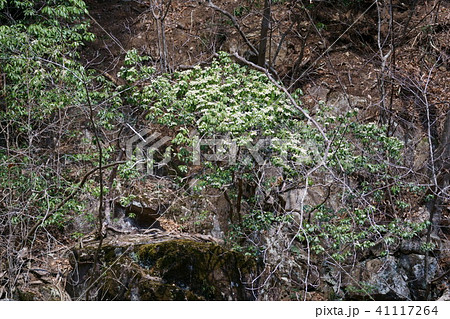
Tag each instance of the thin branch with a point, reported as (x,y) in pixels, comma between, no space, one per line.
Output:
(280,44)
(65,200)
(236,25)
(332,45)
(282,88)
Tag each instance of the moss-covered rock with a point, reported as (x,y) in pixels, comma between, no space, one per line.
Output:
(129,282)
(206,269)
(168,270)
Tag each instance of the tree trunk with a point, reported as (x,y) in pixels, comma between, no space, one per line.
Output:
(265,24)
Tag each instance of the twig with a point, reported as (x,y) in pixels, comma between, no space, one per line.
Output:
(236,25)
(65,200)
(282,88)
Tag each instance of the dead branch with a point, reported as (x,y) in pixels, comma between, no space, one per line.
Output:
(236,25)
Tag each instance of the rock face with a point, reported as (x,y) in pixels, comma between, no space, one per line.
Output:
(381,278)
(140,215)
(414,267)
(169,270)
(390,278)
(207,270)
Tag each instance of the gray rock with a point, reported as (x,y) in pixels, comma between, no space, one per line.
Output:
(141,215)
(293,199)
(414,267)
(379,279)
(445,296)
(341,103)
(217,231)
(391,278)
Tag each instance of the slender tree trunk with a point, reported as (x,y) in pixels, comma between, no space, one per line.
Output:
(265,24)
(408,20)
(159,12)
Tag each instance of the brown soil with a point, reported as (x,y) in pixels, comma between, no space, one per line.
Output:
(341,58)
(339,54)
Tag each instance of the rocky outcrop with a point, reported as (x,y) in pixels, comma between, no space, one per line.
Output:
(141,215)
(390,278)
(165,269)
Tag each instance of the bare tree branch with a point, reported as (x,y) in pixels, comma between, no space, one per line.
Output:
(236,25)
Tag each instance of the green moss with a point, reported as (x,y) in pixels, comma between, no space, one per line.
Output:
(126,280)
(26,296)
(152,290)
(206,269)
(170,270)
(111,253)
